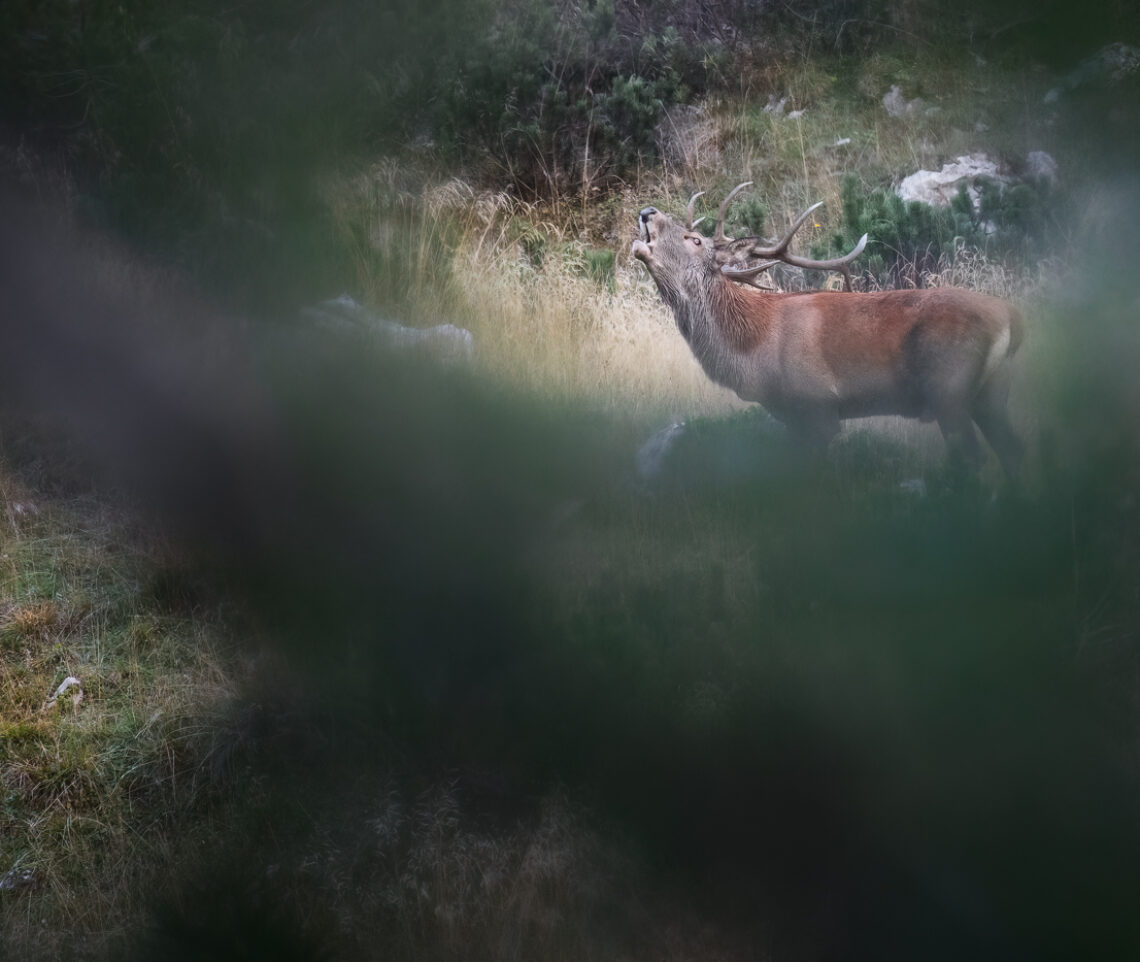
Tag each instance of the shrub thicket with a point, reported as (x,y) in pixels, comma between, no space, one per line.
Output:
(561,98)
(910,237)
(201,129)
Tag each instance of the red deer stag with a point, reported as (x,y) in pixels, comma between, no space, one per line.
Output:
(815,358)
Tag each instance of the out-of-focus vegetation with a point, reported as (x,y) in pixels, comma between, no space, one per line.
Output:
(522,702)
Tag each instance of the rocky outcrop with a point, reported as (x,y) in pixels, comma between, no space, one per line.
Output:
(443,342)
(938,187)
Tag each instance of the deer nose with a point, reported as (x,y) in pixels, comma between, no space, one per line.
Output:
(647,212)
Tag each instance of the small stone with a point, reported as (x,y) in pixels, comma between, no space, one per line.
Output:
(898,106)
(652,454)
(1041,165)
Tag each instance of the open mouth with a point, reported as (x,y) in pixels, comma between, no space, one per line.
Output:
(643,246)
(644,225)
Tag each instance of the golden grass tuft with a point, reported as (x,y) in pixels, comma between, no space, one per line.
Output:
(30,621)
(554,332)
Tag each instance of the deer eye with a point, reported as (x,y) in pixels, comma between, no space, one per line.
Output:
(696,240)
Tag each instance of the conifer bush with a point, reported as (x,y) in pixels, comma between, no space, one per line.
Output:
(909,237)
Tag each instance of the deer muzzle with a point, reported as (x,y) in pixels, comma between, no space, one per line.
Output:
(643,247)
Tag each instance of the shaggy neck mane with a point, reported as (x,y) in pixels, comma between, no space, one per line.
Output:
(743,315)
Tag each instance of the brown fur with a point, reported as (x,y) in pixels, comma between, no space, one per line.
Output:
(815,359)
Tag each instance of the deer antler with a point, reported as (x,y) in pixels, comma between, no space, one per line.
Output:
(718,235)
(748,275)
(689,222)
(835,264)
(779,250)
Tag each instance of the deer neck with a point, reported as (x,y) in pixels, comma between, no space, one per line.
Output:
(724,324)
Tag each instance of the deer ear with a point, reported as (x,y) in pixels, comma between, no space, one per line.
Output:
(739,247)
(735,252)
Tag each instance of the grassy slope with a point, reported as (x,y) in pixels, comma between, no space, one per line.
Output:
(93,788)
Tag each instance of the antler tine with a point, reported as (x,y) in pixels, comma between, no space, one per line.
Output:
(692,200)
(835,264)
(748,273)
(718,234)
(782,245)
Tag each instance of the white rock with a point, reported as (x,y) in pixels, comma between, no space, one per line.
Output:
(913,486)
(1109,66)
(1041,165)
(1120,60)
(444,342)
(70,682)
(939,187)
(16,879)
(651,455)
(898,106)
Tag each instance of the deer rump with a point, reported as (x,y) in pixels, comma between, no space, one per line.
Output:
(814,359)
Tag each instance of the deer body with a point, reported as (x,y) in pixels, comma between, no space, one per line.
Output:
(815,359)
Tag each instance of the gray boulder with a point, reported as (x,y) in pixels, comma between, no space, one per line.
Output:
(1108,66)
(898,106)
(1041,165)
(938,187)
(443,342)
(652,454)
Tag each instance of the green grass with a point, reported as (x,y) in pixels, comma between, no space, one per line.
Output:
(91,785)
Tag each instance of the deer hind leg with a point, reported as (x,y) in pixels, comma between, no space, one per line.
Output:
(990,414)
(814,433)
(958,431)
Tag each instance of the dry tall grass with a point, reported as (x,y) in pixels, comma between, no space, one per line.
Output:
(523,286)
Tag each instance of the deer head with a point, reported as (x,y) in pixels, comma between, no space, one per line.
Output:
(680,259)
